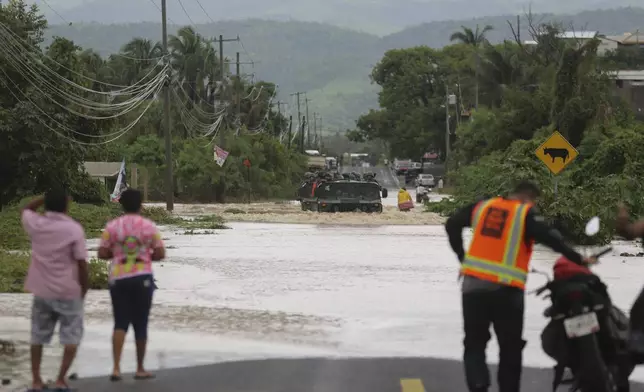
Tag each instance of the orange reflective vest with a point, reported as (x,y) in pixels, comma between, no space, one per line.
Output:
(498,252)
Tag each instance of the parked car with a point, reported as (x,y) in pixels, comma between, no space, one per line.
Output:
(426,180)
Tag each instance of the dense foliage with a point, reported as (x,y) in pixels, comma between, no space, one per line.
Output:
(526,92)
(45,137)
(330,63)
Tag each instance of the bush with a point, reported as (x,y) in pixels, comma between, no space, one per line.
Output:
(14,267)
(93,218)
(609,169)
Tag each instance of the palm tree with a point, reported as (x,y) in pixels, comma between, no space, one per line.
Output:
(193,60)
(475,39)
(138,56)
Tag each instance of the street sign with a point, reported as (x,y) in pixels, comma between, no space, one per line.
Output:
(556,153)
(246,162)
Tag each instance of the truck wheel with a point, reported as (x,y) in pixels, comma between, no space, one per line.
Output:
(303,206)
(335,209)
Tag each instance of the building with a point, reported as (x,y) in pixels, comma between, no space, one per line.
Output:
(105,172)
(629,85)
(633,39)
(579,38)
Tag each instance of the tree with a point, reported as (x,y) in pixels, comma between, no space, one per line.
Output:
(475,39)
(50,99)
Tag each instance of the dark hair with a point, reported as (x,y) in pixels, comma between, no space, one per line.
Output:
(528,188)
(131,200)
(56,200)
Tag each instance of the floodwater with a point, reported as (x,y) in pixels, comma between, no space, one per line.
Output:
(291,212)
(265,290)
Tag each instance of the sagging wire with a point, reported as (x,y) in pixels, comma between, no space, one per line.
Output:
(200,110)
(187,117)
(128,106)
(26,52)
(118,134)
(27,47)
(262,125)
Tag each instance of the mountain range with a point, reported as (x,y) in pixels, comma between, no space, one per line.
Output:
(378,17)
(332,64)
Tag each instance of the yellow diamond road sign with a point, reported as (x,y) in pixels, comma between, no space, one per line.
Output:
(556,153)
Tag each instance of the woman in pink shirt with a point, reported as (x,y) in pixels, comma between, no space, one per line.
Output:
(133,243)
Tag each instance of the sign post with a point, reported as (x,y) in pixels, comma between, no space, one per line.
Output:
(247,164)
(556,153)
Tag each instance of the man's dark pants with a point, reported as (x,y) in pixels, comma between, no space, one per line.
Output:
(503,309)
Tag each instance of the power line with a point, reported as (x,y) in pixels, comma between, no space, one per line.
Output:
(56,12)
(204,11)
(186,12)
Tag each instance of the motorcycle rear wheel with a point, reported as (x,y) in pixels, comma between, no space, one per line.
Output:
(593,375)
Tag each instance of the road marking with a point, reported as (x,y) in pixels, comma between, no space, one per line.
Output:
(412,385)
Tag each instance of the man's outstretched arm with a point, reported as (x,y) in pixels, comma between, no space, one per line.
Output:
(537,229)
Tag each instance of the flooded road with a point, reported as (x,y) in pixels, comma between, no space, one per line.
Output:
(263,290)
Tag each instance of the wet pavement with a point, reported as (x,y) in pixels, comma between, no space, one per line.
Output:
(319,375)
(266,291)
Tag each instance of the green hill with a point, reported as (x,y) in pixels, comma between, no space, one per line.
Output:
(330,63)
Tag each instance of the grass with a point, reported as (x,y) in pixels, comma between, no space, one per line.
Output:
(93,218)
(14,266)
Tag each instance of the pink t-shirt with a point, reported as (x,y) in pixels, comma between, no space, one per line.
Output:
(132,239)
(57,244)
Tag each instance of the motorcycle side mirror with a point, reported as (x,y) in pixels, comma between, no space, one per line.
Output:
(593,226)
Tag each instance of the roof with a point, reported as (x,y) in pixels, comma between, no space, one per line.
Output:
(632,38)
(102,169)
(628,75)
(578,34)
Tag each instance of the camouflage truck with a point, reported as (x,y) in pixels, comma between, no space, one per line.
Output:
(349,195)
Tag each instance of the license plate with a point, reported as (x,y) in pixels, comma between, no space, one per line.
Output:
(581,325)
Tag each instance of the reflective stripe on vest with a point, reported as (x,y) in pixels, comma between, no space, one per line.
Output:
(505,269)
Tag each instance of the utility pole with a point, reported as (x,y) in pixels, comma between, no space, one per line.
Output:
(299,115)
(447,146)
(239,90)
(320,140)
(290,131)
(279,115)
(222,75)
(315,129)
(169,180)
(302,134)
(308,129)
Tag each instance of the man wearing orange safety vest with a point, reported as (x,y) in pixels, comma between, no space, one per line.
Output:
(494,272)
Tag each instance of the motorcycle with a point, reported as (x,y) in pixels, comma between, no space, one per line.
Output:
(586,334)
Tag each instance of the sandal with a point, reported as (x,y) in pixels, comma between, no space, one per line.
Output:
(115,378)
(147,376)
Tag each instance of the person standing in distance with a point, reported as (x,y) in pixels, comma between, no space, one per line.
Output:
(58,277)
(133,243)
(494,271)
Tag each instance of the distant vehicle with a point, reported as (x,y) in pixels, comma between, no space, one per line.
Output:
(316,161)
(366,164)
(402,166)
(331,163)
(426,180)
(422,194)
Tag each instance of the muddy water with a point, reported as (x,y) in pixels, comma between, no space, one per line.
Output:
(286,290)
(291,212)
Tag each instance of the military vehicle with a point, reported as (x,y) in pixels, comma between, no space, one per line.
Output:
(334,192)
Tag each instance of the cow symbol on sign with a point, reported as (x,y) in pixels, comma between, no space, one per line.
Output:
(557,153)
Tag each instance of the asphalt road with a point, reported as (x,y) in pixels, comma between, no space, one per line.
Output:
(317,375)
